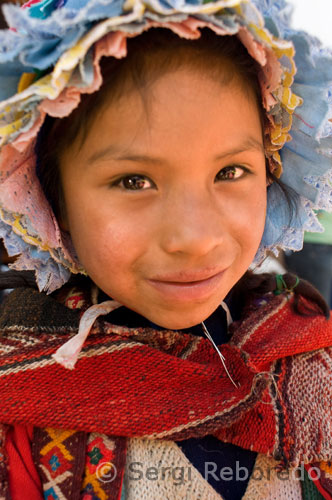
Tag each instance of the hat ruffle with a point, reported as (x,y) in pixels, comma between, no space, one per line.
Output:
(71,37)
(307,158)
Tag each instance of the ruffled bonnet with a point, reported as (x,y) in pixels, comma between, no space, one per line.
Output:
(50,56)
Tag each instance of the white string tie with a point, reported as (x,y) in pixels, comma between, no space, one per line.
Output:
(68,353)
(205,330)
(228,313)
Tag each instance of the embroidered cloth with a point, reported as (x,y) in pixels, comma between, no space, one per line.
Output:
(170,385)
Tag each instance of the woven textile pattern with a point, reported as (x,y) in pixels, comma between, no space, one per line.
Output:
(72,464)
(141,362)
(266,483)
(166,457)
(54,452)
(142,381)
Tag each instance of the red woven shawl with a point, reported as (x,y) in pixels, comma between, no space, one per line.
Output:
(170,385)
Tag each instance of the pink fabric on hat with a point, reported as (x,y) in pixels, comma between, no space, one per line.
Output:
(21,193)
(270,80)
(63,105)
(23,141)
(271,70)
(30,3)
(113,44)
(189,28)
(20,190)
(11,159)
(255,49)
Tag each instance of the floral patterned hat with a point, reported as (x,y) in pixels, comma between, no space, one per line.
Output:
(50,56)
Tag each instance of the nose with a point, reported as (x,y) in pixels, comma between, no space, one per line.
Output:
(192,224)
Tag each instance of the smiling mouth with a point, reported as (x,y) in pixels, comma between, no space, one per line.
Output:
(188,276)
(186,283)
(185,289)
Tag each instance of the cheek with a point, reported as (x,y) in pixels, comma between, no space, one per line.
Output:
(247,218)
(107,243)
(256,216)
(256,211)
(248,221)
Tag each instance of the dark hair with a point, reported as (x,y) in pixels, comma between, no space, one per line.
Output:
(149,58)
(150,55)
(307,299)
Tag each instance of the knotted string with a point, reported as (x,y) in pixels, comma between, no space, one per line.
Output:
(282,285)
(68,353)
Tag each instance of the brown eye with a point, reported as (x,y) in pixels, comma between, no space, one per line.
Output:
(230,173)
(134,182)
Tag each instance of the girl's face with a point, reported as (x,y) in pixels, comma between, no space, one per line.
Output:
(165,201)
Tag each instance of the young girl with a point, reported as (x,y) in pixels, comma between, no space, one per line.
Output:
(151,154)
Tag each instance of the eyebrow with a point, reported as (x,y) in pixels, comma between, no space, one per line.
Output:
(114,152)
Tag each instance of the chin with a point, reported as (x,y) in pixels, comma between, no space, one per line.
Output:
(180,322)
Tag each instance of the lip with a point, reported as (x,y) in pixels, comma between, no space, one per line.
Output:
(186,287)
(188,276)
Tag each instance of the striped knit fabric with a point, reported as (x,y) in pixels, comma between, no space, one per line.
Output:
(163,385)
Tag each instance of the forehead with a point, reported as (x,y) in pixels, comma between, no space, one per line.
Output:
(182,112)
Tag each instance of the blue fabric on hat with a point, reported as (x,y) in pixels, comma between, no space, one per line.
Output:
(47,40)
(45,8)
(301,157)
(45,31)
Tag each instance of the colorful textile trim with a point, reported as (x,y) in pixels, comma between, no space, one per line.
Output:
(271,355)
(318,483)
(77,465)
(105,465)
(74,464)
(59,456)
(71,37)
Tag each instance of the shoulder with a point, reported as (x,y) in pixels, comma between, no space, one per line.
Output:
(270,329)
(27,308)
